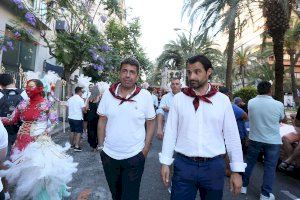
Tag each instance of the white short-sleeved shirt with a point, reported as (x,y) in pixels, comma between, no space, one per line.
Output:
(75,105)
(3,143)
(125,128)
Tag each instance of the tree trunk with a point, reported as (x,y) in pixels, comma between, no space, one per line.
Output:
(278,40)
(230,50)
(66,76)
(293,62)
(243,76)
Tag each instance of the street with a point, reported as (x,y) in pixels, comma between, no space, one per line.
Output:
(90,180)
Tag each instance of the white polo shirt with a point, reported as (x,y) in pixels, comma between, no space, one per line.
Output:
(125,129)
(75,105)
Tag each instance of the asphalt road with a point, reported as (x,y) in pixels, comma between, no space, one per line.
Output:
(90,181)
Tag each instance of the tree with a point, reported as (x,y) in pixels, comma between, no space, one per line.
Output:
(81,44)
(176,52)
(277,14)
(292,46)
(261,69)
(222,14)
(242,59)
(124,40)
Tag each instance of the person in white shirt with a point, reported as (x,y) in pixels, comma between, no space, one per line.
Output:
(164,107)
(76,106)
(124,109)
(3,146)
(200,128)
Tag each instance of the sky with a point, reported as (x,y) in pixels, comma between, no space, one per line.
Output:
(158,19)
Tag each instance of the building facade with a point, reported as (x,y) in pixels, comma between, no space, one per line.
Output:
(30,55)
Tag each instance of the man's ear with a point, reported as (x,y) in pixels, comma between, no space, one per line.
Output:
(209,72)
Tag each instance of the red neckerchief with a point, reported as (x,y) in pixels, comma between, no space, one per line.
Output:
(113,88)
(191,93)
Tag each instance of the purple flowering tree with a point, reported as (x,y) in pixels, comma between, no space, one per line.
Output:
(81,45)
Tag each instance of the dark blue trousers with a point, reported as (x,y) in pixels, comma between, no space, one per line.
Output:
(271,155)
(190,176)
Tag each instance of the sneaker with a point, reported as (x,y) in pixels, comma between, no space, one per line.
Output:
(72,147)
(78,149)
(244,190)
(272,197)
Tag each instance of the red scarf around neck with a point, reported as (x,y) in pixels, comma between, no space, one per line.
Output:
(191,93)
(113,89)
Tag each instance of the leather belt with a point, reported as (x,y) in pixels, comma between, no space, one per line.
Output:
(200,159)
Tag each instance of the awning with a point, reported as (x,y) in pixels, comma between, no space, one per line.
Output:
(57,69)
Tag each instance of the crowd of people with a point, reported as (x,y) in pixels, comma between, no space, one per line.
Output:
(205,133)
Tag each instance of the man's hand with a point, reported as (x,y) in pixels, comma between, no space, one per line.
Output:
(165,174)
(166,108)
(145,151)
(235,183)
(159,134)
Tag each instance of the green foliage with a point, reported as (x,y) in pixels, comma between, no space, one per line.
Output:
(176,52)
(246,93)
(124,42)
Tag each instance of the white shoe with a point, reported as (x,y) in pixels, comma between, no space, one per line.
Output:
(272,197)
(7,196)
(244,190)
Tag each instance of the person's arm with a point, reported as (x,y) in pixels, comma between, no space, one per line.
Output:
(150,116)
(234,149)
(244,116)
(149,136)
(169,142)
(101,128)
(3,142)
(53,117)
(160,118)
(13,119)
(101,131)
(160,124)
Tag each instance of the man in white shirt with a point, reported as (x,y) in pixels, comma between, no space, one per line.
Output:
(200,123)
(76,107)
(164,107)
(3,146)
(123,111)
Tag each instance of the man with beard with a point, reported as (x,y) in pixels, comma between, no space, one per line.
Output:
(200,123)
(123,110)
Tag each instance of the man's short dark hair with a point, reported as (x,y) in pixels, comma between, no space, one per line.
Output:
(175,78)
(202,59)
(6,79)
(131,61)
(264,87)
(78,89)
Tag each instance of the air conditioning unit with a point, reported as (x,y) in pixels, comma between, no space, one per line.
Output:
(61,26)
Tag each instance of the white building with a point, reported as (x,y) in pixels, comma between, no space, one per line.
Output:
(32,56)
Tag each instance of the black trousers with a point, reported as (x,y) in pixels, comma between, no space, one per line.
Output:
(123,176)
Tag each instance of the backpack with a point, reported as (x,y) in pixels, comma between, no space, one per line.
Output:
(10,100)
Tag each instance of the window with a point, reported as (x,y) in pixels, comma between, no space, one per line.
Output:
(23,53)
